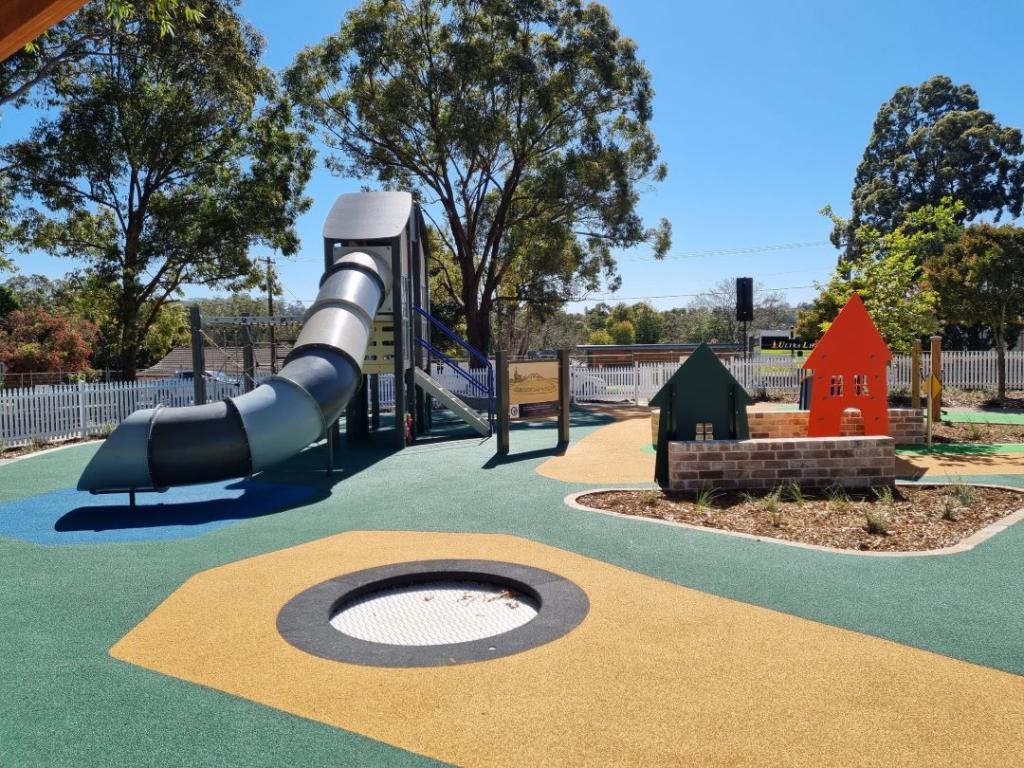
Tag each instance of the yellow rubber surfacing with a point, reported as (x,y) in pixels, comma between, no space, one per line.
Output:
(944,466)
(616,453)
(656,674)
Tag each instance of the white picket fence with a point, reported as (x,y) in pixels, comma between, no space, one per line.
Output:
(66,411)
(639,382)
(70,411)
(83,410)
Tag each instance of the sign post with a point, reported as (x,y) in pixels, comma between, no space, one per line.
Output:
(532,389)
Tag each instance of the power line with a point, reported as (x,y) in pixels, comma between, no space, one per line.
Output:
(735,251)
(674,295)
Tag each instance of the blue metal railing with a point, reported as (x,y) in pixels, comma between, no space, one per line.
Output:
(474,354)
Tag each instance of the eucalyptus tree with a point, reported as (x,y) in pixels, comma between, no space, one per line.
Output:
(168,157)
(38,64)
(524,127)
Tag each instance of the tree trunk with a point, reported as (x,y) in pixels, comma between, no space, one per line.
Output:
(129,361)
(1001,363)
(478,325)
(130,342)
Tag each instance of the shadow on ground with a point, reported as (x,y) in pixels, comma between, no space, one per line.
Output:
(257,500)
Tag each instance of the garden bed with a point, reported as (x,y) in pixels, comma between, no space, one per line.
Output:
(974,432)
(907,519)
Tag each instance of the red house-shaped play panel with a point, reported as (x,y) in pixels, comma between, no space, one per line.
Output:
(849,371)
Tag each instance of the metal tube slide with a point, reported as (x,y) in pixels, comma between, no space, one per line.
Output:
(160,447)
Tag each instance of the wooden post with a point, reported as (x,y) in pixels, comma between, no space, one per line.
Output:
(915,375)
(563,397)
(501,363)
(935,403)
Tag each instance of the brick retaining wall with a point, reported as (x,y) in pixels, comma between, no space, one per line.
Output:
(813,462)
(906,425)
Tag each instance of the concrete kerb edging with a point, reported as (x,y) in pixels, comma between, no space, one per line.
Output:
(33,454)
(976,538)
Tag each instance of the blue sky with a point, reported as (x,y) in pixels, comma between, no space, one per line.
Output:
(762,112)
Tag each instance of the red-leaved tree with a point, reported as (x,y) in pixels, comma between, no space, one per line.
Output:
(33,340)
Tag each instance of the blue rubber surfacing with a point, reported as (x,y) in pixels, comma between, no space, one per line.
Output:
(70,517)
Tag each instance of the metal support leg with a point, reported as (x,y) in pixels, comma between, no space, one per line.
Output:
(330,448)
(131,499)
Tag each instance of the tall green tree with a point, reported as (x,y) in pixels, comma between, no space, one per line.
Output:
(979,279)
(170,157)
(524,127)
(648,323)
(888,274)
(931,142)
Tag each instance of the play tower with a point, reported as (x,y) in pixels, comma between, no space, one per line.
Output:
(371,317)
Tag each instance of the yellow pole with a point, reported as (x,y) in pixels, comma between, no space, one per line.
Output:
(915,375)
(935,403)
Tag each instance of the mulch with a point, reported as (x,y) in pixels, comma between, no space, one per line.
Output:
(914,518)
(975,432)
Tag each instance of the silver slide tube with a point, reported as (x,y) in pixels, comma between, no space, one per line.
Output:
(160,447)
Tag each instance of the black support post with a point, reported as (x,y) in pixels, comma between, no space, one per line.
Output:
(248,359)
(375,402)
(399,324)
(563,397)
(501,363)
(195,322)
(357,425)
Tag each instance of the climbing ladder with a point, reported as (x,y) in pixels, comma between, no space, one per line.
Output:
(479,390)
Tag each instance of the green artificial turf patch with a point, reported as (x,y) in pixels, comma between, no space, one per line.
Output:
(963,449)
(982,417)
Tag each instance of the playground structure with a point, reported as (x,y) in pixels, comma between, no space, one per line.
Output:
(371,316)
(845,439)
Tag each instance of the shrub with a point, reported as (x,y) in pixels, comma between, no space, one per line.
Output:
(878,522)
(794,492)
(973,433)
(771,505)
(949,509)
(962,492)
(705,498)
(838,499)
(884,495)
(650,497)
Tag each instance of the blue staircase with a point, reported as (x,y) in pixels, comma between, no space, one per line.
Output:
(480,390)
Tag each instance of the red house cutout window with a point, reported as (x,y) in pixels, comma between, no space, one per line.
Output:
(835,386)
(860,384)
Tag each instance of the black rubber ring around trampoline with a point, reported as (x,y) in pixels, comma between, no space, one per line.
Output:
(305,621)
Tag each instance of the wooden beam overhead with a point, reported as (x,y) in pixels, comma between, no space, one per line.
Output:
(22,21)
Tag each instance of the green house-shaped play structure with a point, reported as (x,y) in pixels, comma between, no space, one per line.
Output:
(702,401)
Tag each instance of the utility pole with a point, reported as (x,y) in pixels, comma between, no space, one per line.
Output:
(270,312)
